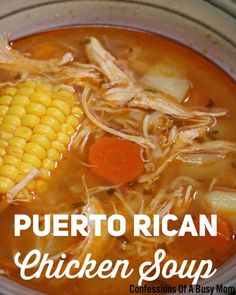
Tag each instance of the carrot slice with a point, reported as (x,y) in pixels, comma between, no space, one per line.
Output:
(116,160)
(223,238)
(207,247)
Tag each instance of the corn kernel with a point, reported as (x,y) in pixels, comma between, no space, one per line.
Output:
(10,91)
(18,111)
(5,184)
(2,152)
(67,129)
(41,140)
(3,143)
(29,83)
(48,164)
(24,132)
(77,111)
(20,100)
(30,120)
(5,135)
(53,154)
(9,171)
(61,105)
(25,91)
(65,95)
(25,168)
(11,160)
(12,120)
(43,88)
(25,194)
(36,150)
(36,109)
(45,173)
(45,130)
(3,110)
(42,98)
(58,146)
(63,138)
(73,121)
(56,113)
(51,122)
(5,100)
(18,142)
(9,128)
(20,176)
(15,151)
(31,159)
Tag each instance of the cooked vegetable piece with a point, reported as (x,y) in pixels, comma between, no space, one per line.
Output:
(221,241)
(28,139)
(224,201)
(116,160)
(174,87)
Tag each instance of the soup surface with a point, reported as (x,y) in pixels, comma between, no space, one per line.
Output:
(147,126)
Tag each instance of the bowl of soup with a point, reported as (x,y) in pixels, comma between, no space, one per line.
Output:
(117,107)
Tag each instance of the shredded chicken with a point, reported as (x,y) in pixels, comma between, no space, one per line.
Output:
(139,140)
(11,59)
(188,135)
(100,56)
(79,74)
(222,147)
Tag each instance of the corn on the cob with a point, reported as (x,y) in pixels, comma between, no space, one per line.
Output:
(37,124)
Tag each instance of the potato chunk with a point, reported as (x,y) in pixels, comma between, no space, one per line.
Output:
(224,201)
